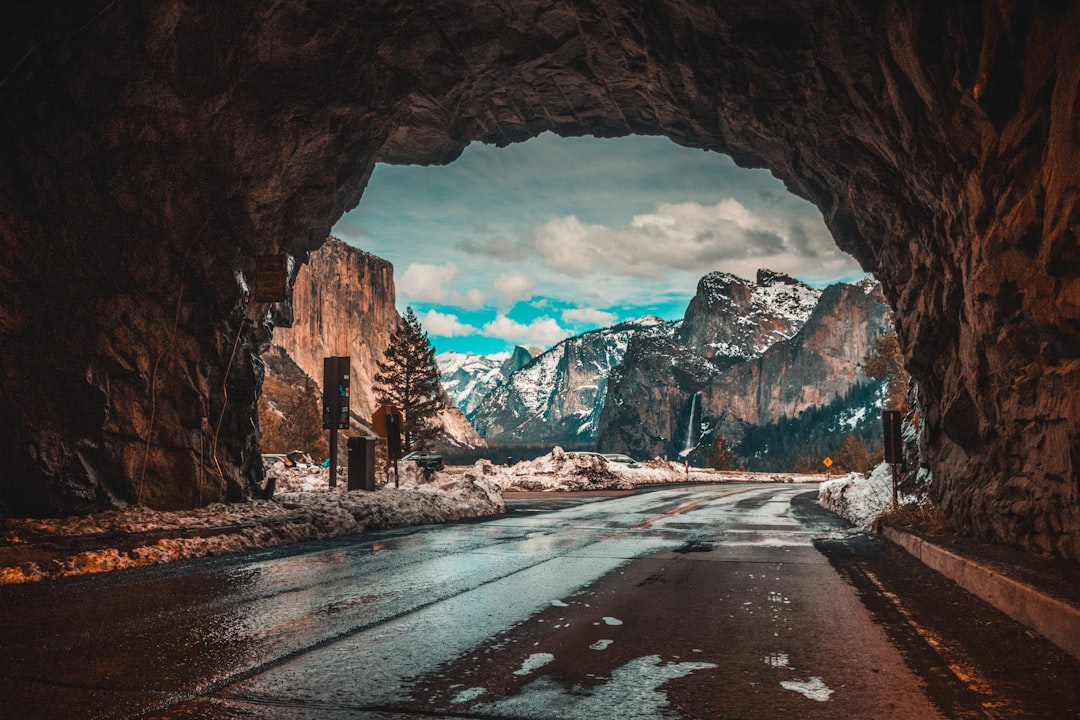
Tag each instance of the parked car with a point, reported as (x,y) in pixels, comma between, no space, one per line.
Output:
(271,458)
(300,458)
(622,460)
(425,459)
(293,458)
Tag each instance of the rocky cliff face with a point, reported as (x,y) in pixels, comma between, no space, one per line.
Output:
(344,304)
(671,398)
(343,300)
(818,364)
(558,396)
(732,318)
(153,150)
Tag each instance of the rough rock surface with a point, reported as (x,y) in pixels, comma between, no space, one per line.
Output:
(731,317)
(151,150)
(344,304)
(821,362)
(670,397)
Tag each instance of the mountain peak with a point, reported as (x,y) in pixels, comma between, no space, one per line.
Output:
(733,317)
(768,278)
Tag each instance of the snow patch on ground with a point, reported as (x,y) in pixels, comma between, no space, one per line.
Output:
(534,662)
(814,688)
(633,691)
(561,471)
(860,498)
(292,516)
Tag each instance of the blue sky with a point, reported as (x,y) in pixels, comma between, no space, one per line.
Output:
(546,239)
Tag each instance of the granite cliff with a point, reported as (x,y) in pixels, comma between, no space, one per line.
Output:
(786,349)
(343,302)
(153,150)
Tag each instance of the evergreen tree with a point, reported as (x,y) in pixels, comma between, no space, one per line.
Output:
(886,362)
(720,457)
(408,379)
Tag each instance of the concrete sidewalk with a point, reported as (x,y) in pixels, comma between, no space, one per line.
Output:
(1043,594)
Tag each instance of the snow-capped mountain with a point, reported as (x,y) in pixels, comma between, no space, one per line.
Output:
(559,395)
(746,355)
(734,318)
(673,397)
(468,377)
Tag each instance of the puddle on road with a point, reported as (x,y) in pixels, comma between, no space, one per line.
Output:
(777,660)
(601,645)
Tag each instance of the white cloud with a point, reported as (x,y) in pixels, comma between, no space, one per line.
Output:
(541,331)
(689,237)
(426,282)
(589,316)
(472,299)
(445,325)
(511,287)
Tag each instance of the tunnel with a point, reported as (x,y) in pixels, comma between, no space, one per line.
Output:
(154,153)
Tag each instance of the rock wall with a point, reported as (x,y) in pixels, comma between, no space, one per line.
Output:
(652,393)
(344,304)
(151,150)
(820,363)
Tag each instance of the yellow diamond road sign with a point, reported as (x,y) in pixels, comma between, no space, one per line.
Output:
(827,462)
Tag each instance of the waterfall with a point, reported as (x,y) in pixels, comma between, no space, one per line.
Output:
(693,424)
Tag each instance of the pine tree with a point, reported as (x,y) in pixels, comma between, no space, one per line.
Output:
(408,379)
(886,362)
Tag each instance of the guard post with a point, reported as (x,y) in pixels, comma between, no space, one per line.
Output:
(335,404)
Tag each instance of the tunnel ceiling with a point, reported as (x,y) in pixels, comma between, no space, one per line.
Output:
(152,150)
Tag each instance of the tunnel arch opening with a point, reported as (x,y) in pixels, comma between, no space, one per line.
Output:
(938,142)
(568,245)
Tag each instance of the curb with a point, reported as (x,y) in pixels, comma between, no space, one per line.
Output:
(1055,620)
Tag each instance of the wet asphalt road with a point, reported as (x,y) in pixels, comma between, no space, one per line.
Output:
(726,601)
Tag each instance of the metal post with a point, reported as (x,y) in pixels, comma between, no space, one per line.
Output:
(335,405)
(894,493)
(333,457)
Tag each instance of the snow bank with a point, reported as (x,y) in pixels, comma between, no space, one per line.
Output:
(860,498)
(216,529)
(561,471)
